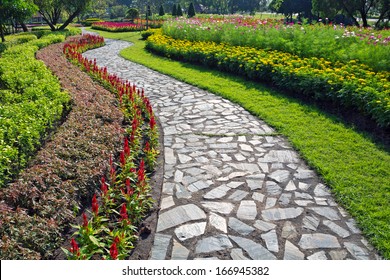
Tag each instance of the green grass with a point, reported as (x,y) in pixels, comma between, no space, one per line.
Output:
(357,170)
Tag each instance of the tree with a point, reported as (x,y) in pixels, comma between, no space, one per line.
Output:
(132,13)
(191,10)
(179,11)
(51,11)
(15,11)
(118,11)
(161,11)
(174,10)
(384,13)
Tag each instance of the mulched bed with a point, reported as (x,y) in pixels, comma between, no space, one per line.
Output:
(37,209)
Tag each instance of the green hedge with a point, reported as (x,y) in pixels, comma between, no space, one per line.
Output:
(31,102)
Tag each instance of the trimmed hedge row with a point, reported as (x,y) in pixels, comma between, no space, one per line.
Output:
(350,84)
(32,102)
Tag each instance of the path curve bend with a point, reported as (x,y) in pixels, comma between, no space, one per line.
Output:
(232,188)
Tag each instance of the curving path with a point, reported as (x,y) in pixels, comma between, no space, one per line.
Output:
(233,189)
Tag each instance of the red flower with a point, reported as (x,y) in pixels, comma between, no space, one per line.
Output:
(95,205)
(152,122)
(104,187)
(75,248)
(126,148)
(122,158)
(113,251)
(85,220)
(123,212)
(147,147)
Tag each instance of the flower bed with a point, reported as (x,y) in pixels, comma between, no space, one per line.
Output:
(346,84)
(332,42)
(110,230)
(126,26)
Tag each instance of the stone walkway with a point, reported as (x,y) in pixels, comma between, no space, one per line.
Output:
(233,188)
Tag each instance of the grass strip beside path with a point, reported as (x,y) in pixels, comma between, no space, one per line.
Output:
(357,170)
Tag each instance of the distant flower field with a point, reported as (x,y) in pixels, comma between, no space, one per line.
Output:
(332,42)
(138,25)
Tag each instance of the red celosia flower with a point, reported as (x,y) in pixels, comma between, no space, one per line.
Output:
(95,205)
(126,147)
(113,251)
(152,122)
(85,220)
(122,158)
(147,147)
(123,212)
(104,187)
(75,248)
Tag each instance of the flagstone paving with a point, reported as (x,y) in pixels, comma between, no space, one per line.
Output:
(233,188)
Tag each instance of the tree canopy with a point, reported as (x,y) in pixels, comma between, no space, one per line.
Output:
(52,10)
(15,11)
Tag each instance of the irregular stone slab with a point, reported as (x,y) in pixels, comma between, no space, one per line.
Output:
(273,189)
(289,231)
(318,256)
(356,251)
(304,174)
(218,222)
(351,223)
(290,186)
(184,158)
(326,212)
(213,244)
(258,196)
(194,171)
(285,156)
(169,156)
(249,167)
(168,188)
(321,190)
(254,184)
(238,195)
(240,227)
(199,185)
(185,232)
(302,195)
(318,241)
(181,192)
(247,210)
(281,213)
(291,252)
(263,226)
(271,241)
(178,176)
(167,202)
(338,254)
(284,199)
(270,202)
(303,202)
(254,250)
(179,215)
(220,207)
(303,186)
(179,252)
(160,246)
(280,176)
(234,185)
(237,254)
(217,192)
(337,229)
(246,147)
(311,223)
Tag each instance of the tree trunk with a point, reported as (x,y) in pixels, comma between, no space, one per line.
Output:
(24,26)
(70,19)
(364,18)
(2,33)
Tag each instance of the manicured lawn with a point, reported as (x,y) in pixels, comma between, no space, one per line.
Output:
(357,170)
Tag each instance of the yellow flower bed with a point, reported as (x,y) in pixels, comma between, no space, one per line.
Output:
(347,84)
